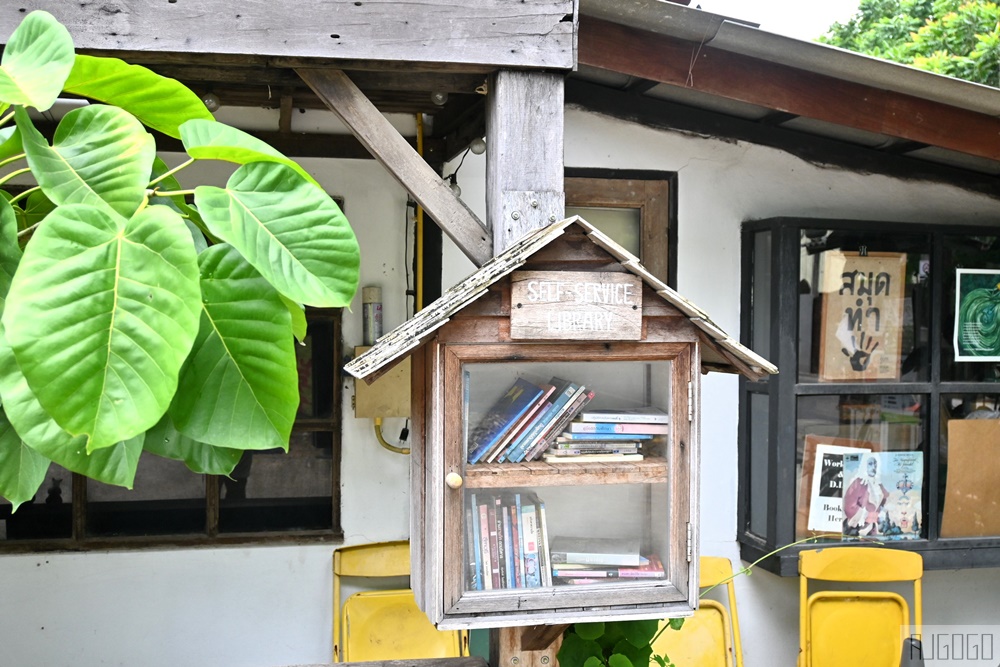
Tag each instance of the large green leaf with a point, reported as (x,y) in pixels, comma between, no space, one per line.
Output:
(239,387)
(111,465)
(36,207)
(10,142)
(166,441)
(300,326)
(10,252)
(99,155)
(22,469)
(204,140)
(288,229)
(101,315)
(37,60)
(158,102)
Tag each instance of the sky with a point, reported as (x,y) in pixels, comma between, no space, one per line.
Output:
(796,18)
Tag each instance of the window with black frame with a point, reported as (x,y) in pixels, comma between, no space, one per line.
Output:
(887,338)
(268,494)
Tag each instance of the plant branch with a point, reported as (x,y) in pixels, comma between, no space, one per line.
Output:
(26,193)
(6,119)
(9,160)
(168,193)
(26,234)
(14,173)
(170,173)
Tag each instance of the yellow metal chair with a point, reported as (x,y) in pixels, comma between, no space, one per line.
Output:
(383,624)
(856,627)
(710,638)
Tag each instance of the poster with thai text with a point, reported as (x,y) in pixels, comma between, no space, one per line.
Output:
(862,318)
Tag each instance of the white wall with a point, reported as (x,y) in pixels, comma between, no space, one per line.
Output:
(270,606)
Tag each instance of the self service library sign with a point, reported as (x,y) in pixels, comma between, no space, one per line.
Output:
(575,305)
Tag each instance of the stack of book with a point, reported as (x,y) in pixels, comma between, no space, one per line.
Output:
(591,560)
(608,435)
(506,541)
(526,420)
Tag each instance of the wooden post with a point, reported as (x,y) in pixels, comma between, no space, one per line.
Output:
(524,158)
(532,646)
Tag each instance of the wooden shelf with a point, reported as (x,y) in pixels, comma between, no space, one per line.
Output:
(538,473)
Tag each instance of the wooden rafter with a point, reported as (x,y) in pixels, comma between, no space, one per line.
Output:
(773,85)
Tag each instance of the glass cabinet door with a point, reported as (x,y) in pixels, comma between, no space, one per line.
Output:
(570,483)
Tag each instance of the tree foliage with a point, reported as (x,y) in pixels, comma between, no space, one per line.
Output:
(134,318)
(958,38)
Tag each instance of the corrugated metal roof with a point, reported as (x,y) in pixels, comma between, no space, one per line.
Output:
(415,331)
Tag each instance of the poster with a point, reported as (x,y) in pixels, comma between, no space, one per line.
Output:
(883,495)
(861,327)
(819,499)
(977,315)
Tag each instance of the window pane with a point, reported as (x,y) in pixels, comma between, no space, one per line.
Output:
(167,499)
(49,515)
(760,335)
(860,466)
(315,363)
(621,224)
(979,259)
(271,490)
(759,415)
(864,307)
(970,468)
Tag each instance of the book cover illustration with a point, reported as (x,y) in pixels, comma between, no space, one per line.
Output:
(826,511)
(501,417)
(882,496)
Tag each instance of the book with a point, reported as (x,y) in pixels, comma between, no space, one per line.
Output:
(616,427)
(566,436)
(556,453)
(484,541)
(595,446)
(544,555)
(591,458)
(644,415)
(652,568)
(508,531)
(471,538)
(882,495)
(519,426)
(532,573)
(501,417)
(595,551)
(826,512)
(583,397)
(501,579)
(494,545)
(565,390)
(517,528)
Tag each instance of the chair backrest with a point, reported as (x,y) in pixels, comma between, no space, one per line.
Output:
(856,627)
(710,638)
(383,624)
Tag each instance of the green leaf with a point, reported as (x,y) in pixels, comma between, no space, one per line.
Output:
(289,230)
(158,102)
(166,441)
(217,141)
(676,623)
(239,387)
(589,631)
(640,633)
(10,252)
(592,661)
(101,314)
(22,469)
(300,326)
(37,60)
(10,142)
(100,155)
(36,207)
(112,465)
(178,203)
(619,660)
(637,655)
(576,651)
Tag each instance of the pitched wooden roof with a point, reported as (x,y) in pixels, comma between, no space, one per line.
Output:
(720,351)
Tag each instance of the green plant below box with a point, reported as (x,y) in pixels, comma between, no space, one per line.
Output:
(134,319)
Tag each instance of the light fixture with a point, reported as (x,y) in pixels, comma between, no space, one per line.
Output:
(439,97)
(453,184)
(211,101)
(478,146)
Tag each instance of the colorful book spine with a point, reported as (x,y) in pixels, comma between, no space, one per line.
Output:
(646,415)
(518,530)
(545,565)
(494,547)
(501,417)
(484,540)
(470,553)
(556,453)
(617,427)
(540,427)
(532,569)
(472,525)
(578,404)
(566,435)
(523,422)
(508,532)
(501,564)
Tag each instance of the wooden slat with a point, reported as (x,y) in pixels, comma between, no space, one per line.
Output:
(402,161)
(530,33)
(538,473)
(772,85)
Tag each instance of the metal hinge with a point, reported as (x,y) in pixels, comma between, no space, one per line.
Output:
(690,401)
(690,544)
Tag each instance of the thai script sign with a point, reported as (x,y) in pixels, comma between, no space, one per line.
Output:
(862,318)
(575,305)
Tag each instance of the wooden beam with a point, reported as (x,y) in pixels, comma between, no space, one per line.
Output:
(524,156)
(530,33)
(773,85)
(402,161)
